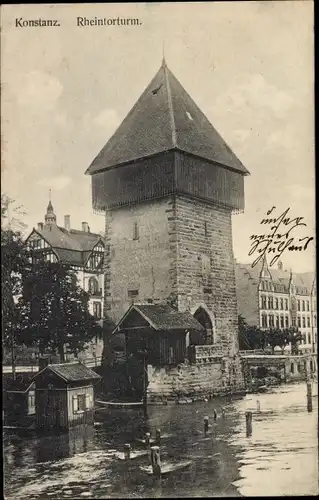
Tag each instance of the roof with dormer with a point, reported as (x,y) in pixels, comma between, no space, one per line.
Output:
(165,118)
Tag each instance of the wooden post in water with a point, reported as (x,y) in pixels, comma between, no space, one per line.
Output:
(309,397)
(156,461)
(258,405)
(127,451)
(147,438)
(249,421)
(206,419)
(158,437)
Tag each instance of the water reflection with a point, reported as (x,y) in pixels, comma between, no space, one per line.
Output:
(279,458)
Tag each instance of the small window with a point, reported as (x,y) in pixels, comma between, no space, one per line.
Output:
(93,286)
(31,403)
(271,320)
(97,310)
(205,228)
(286,304)
(309,338)
(298,305)
(308,322)
(303,305)
(299,321)
(292,368)
(281,303)
(287,321)
(264,320)
(282,322)
(303,322)
(132,294)
(307,305)
(276,303)
(135,231)
(81,402)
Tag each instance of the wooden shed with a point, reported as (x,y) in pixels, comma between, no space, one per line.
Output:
(154,335)
(19,398)
(65,396)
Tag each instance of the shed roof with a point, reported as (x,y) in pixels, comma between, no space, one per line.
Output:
(165,117)
(164,317)
(72,372)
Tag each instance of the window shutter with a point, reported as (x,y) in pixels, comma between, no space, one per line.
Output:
(75,403)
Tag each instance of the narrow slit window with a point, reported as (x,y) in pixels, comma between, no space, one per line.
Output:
(135,231)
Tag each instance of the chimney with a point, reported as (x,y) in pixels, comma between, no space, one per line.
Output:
(67,222)
(43,362)
(40,226)
(85,227)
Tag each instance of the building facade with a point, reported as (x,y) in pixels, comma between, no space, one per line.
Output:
(278,298)
(84,252)
(168,184)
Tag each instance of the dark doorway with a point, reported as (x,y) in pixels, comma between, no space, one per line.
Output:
(206,337)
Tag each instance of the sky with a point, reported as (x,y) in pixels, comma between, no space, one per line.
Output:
(248,66)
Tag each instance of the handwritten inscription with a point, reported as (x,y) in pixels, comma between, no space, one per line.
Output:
(279,238)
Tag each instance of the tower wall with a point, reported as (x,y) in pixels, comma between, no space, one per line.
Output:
(183,255)
(146,264)
(205,266)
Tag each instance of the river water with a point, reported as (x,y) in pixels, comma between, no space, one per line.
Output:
(280,458)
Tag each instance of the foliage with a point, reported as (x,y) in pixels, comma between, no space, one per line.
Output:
(253,337)
(54,310)
(14,259)
(250,337)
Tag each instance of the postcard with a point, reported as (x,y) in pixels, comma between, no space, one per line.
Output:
(158,250)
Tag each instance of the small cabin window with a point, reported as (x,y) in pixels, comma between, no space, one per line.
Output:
(31,403)
(135,231)
(82,402)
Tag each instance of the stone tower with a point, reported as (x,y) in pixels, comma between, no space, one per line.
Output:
(168,184)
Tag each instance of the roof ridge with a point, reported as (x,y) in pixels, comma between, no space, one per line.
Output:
(170,106)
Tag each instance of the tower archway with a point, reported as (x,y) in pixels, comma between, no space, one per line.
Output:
(204,319)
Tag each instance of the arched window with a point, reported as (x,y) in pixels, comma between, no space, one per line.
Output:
(205,337)
(93,286)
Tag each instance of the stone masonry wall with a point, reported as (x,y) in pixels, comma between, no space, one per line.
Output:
(193,380)
(205,265)
(147,264)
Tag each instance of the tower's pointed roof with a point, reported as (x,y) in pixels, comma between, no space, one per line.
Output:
(165,117)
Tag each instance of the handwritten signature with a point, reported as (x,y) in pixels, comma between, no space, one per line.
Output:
(280,237)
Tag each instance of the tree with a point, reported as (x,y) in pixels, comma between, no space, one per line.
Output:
(14,258)
(253,337)
(283,337)
(54,310)
(250,337)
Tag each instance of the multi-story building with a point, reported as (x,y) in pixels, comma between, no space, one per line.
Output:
(83,251)
(278,298)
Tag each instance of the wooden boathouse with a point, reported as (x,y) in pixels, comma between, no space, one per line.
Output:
(64,396)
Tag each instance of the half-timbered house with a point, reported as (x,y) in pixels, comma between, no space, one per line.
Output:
(83,251)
